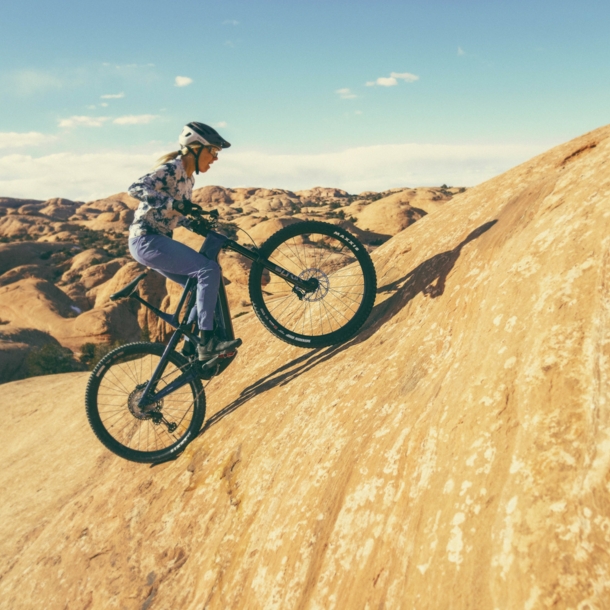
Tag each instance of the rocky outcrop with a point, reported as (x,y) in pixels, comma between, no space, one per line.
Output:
(39,304)
(453,455)
(16,344)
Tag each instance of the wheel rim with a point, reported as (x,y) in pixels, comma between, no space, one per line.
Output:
(340,291)
(148,430)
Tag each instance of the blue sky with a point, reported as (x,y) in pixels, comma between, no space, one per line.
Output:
(359,95)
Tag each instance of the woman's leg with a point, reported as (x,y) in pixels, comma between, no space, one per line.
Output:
(179,262)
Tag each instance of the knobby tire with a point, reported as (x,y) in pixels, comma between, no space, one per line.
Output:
(347,285)
(117,421)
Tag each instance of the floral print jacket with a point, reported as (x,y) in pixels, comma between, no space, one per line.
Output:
(157,192)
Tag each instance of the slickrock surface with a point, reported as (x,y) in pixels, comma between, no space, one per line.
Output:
(455,454)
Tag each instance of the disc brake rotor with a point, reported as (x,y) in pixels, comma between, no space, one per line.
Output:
(136,410)
(323,284)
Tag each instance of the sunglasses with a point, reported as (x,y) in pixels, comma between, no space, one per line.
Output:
(213,151)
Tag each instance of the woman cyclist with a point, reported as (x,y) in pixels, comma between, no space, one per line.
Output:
(165,199)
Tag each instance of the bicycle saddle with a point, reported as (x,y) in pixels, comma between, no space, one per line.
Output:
(129,289)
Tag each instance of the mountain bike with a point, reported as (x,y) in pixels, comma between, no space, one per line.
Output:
(312,284)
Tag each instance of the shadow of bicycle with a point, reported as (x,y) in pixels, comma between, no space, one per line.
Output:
(428,278)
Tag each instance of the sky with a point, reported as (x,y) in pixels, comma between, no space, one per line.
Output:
(358,95)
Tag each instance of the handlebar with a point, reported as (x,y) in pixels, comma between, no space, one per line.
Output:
(200,224)
(198,212)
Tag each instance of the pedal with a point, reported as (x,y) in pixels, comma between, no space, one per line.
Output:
(208,364)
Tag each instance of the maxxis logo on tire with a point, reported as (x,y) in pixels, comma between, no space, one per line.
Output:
(347,240)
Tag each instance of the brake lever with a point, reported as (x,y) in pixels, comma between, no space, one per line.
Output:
(197,211)
(202,223)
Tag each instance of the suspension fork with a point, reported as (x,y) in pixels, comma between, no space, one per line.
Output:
(309,285)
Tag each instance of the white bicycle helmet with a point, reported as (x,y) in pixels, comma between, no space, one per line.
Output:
(204,135)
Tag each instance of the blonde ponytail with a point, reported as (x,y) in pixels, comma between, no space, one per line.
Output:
(168,157)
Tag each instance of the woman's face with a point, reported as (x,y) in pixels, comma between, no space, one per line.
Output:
(206,158)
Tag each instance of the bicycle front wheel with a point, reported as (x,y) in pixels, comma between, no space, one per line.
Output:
(114,389)
(346,278)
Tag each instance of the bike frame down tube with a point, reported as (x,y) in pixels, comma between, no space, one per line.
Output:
(177,383)
(280,271)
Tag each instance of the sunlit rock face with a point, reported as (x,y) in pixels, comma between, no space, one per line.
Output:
(455,454)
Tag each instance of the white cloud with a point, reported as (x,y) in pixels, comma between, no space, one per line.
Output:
(346,94)
(406,76)
(183,81)
(376,168)
(392,80)
(12,139)
(104,104)
(461,51)
(112,96)
(383,81)
(221,124)
(135,119)
(92,175)
(230,22)
(83,121)
(371,167)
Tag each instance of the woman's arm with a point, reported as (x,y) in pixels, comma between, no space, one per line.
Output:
(151,188)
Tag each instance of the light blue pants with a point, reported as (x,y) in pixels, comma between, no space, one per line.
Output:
(178,263)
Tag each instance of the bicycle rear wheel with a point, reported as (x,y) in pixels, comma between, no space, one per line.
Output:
(115,386)
(346,277)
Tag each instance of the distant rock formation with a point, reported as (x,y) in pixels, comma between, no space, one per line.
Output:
(62,259)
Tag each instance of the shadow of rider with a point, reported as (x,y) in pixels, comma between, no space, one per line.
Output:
(429,278)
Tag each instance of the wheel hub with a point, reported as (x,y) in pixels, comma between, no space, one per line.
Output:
(137,411)
(323,284)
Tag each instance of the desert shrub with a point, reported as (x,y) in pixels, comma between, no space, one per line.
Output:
(114,242)
(229,229)
(51,359)
(92,353)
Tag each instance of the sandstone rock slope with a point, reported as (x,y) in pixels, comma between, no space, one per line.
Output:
(455,454)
